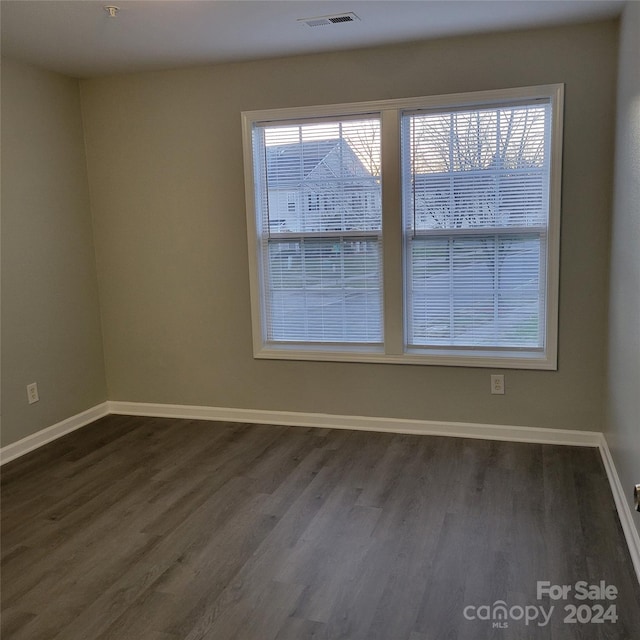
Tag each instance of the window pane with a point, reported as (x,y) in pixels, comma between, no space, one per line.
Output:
(320,179)
(324,291)
(475,217)
(484,168)
(470,291)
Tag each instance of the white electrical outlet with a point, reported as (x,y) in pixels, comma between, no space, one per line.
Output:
(32,392)
(497,384)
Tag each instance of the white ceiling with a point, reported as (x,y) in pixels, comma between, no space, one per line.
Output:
(78,37)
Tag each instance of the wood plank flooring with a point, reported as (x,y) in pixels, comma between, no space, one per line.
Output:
(155,529)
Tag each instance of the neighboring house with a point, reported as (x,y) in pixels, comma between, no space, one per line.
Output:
(320,186)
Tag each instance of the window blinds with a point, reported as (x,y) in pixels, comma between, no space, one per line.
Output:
(318,201)
(475,189)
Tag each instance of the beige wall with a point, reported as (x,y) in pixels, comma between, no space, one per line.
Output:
(623,401)
(50,316)
(166,176)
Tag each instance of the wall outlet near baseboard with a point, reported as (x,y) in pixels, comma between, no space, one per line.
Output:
(32,392)
(497,384)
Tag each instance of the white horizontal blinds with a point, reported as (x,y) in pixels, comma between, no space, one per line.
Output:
(320,220)
(476,214)
(476,291)
(324,290)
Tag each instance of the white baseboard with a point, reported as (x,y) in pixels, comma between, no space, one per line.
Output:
(42,437)
(331,421)
(292,418)
(622,505)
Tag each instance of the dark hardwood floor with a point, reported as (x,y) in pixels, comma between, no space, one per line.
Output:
(154,529)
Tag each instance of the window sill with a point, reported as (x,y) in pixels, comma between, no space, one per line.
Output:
(432,357)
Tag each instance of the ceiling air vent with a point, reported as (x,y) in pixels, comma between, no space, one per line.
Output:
(323,21)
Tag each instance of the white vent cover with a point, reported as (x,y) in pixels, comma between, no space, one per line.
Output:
(322,21)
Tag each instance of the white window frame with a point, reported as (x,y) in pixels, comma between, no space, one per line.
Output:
(394,350)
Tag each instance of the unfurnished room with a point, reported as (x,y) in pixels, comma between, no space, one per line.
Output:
(320,319)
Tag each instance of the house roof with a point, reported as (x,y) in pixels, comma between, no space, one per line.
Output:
(289,165)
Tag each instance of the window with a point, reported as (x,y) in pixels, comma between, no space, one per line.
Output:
(321,269)
(476,210)
(420,231)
